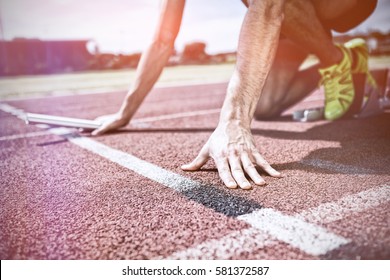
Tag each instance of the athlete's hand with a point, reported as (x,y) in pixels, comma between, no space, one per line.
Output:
(232,148)
(110,123)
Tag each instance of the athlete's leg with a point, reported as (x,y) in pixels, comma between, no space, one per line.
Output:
(303,25)
(280,87)
(284,85)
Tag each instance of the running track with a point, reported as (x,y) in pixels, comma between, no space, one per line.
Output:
(67,195)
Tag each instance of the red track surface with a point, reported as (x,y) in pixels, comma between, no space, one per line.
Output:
(60,201)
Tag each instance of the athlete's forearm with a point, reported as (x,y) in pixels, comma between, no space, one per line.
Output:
(149,69)
(155,57)
(256,49)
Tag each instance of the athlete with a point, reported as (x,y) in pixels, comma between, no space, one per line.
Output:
(231,145)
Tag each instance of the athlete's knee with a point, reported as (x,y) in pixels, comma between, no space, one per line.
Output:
(330,9)
(265,116)
(266,110)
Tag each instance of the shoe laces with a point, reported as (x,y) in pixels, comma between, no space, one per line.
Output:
(330,84)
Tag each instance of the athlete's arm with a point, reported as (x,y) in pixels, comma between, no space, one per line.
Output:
(231,145)
(150,66)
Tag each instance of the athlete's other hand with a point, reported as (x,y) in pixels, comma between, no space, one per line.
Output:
(110,123)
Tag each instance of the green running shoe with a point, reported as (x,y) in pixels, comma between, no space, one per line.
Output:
(338,86)
(359,52)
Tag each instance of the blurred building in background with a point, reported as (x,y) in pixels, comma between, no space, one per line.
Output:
(33,56)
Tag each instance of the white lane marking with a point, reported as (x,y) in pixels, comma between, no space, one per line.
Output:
(24,135)
(19,113)
(337,167)
(176,116)
(233,244)
(350,204)
(144,168)
(322,214)
(309,238)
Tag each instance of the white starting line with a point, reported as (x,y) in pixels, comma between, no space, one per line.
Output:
(265,225)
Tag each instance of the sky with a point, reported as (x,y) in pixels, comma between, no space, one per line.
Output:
(127,26)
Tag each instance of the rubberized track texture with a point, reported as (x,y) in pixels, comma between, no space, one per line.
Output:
(67,195)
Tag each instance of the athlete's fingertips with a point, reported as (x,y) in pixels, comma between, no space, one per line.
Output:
(192,166)
(259,181)
(242,181)
(224,173)
(245,185)
(237,172)
(186,167)
(199,161)
(254,175)
(228,180)
(231,185)
(266,166)
(273,172)
(251,170)
(103,129)
(96,132)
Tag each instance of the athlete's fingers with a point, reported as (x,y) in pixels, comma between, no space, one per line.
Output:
(250,169)
(104,128)
(237,172)
(199,161)
(224,172)
(260,161)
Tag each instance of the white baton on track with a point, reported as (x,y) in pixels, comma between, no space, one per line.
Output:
(61,121)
